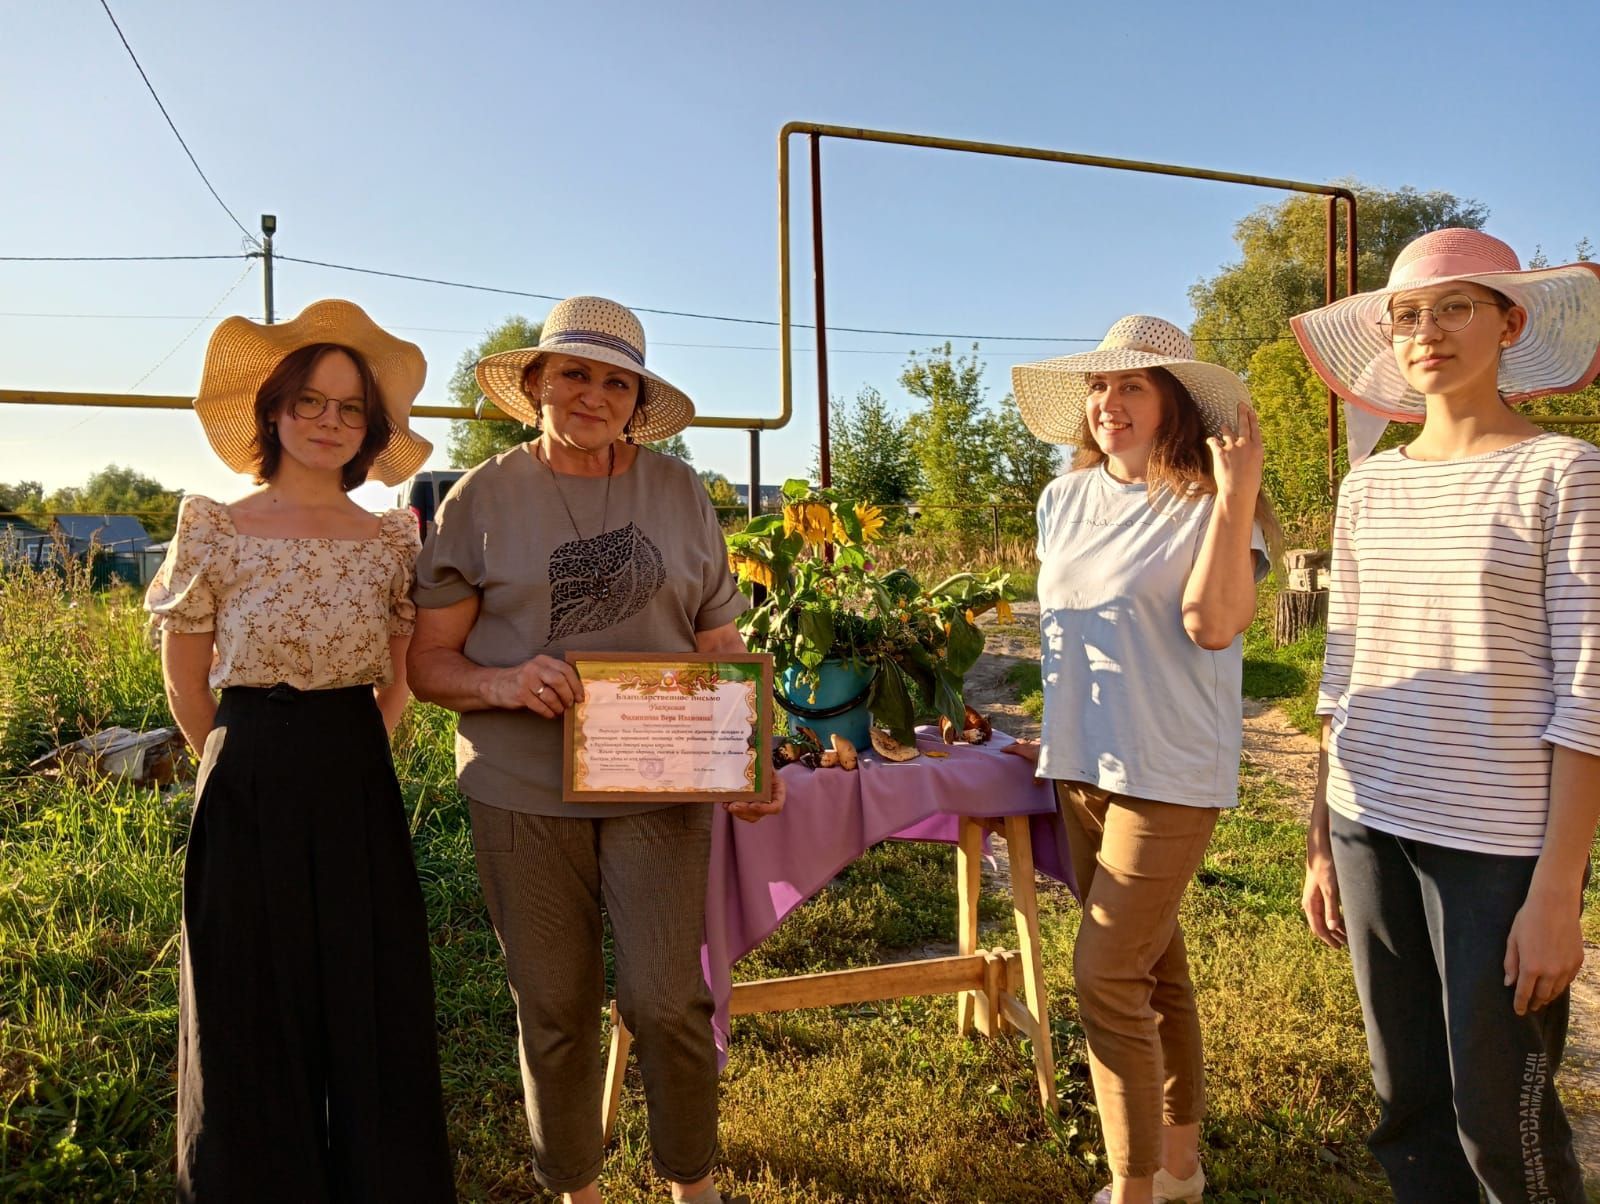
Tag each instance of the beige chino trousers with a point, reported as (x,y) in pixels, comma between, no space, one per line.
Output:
(1133,859)
(545,879)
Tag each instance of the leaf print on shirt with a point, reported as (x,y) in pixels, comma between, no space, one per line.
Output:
(597,583)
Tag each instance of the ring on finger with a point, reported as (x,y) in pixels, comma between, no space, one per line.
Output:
(540,691)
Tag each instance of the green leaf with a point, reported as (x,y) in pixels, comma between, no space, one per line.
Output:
(901,585)
(814,637)
(947,696)
(890,703)
(763,524)
(957,585)
(845,513)
(849,557)
(966,645)
(795,488)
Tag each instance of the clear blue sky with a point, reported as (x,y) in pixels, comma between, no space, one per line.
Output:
(628,149)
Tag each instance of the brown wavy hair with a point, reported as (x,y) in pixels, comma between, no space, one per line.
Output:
(278,392)
(1180,461)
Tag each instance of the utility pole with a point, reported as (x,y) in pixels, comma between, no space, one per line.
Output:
(269,227)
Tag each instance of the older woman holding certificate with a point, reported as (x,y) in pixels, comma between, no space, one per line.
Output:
(582,540)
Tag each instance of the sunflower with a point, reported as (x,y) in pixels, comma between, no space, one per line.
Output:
(749,570)
(814,520)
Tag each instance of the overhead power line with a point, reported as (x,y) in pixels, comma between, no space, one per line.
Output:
(173,127)
(109,258)
(643,309)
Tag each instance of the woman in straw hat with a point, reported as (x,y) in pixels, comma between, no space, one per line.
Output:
(583,540)
(1460,773)
(1150,549)
(307,1067)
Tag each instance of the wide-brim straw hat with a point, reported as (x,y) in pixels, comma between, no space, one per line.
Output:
(590,328)
(1558,351)
(242,354)
(1051,394)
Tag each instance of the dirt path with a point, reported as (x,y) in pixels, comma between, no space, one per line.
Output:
(1283,752)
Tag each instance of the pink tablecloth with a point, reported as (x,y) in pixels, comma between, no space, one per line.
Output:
(761,872)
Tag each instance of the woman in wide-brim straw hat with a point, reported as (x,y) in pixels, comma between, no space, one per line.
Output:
(1150,548)
(583,540)
(307,1065)
(1460,777)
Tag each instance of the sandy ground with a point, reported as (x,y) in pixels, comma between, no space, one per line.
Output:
(1279,749)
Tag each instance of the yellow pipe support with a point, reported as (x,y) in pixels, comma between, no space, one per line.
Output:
(785,346)
(152,401)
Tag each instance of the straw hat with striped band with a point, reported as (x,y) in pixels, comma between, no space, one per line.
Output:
(242,354)
(590,328)
(1051,393)
(1559,351)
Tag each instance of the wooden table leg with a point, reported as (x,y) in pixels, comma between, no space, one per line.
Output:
(971,1006)
(616,1067)
(1025,905)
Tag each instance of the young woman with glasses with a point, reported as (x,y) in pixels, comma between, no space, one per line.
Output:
(307,1062)
(1459,782)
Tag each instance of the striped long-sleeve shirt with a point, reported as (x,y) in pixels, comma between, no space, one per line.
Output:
(1463,640)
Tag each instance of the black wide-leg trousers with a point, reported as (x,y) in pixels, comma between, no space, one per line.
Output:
(308,1065)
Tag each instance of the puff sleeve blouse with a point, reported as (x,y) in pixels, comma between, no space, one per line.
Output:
(314,613)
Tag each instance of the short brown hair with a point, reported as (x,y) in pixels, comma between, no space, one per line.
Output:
(279,390)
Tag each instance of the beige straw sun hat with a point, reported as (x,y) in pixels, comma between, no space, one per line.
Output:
(590,328)
(242,354)
(1051,393)
(1559,351)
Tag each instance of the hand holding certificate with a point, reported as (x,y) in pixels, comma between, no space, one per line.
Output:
(681,727)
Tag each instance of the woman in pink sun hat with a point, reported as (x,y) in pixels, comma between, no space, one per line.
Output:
(1459,784)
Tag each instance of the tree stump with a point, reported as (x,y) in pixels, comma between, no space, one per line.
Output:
(1304,603)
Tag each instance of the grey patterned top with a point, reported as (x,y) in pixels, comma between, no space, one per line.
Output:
(648,583)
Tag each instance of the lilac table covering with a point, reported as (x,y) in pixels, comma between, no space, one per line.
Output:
(761,872)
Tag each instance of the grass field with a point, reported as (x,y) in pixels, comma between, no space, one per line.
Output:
(854,1104)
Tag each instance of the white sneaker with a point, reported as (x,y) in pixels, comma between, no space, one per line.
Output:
(1167,1190)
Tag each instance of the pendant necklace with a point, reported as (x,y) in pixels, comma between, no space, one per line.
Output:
(597,588)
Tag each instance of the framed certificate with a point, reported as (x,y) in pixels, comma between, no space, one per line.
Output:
(674,727)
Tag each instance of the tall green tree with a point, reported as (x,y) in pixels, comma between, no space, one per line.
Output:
(719,488)
(118,490)
(473,441)
(950,438)
(1020,466)
(677,445)
(1242,322)
(22,497)
(869,451)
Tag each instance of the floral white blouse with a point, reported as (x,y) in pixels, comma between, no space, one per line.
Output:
(315,613)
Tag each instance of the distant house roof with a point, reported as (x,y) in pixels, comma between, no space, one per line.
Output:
(771,495)
(113,532)
(19,538)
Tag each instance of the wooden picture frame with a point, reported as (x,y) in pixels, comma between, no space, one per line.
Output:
(678,730)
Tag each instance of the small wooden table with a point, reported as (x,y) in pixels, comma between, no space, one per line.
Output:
(985,981)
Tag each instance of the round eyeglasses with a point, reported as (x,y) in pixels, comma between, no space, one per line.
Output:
(1450,313)
(311,405)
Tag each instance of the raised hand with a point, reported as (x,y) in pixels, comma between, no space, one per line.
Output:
(1237,456)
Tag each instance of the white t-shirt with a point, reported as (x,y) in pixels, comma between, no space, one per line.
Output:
(1131,703)
(1463,640)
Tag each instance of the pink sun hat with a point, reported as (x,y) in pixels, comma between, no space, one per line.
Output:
(1559,351)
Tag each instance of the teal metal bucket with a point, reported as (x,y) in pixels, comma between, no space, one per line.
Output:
(839,705)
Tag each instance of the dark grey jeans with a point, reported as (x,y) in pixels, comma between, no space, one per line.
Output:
(1466,1086)
(545,880)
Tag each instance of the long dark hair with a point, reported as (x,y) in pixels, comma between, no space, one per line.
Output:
(1180,461)
(278,392)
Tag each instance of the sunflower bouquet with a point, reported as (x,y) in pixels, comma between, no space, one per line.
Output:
(918,642)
